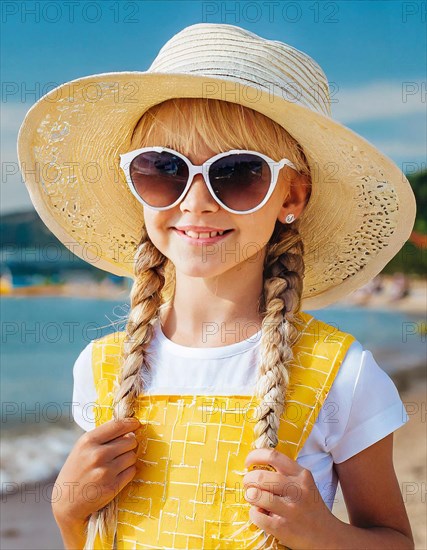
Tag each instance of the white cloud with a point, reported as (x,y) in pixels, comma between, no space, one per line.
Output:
(379,100)
(13,193)
(401,148)
(12,115)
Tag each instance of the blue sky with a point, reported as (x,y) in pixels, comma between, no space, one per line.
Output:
(369,50)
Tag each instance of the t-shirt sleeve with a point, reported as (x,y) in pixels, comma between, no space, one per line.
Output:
(84,392)
(366,404)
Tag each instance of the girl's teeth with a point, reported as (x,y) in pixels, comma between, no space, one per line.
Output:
(203,235)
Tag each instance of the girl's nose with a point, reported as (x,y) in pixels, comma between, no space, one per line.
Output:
(198,197)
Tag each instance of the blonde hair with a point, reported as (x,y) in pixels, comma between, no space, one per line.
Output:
(221,126)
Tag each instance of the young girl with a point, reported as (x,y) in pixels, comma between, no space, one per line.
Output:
(223,415)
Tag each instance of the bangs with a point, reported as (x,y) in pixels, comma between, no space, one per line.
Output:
(184,124)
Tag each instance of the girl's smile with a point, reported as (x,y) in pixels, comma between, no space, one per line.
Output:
(195,238)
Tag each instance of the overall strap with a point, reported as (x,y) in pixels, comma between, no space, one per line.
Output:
(106,354)
(318,354)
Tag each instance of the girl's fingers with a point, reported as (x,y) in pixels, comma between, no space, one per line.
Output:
(124,461)
(119,446)
(270,503)
(262,511)
(112,429)
(269,481)
(125,477)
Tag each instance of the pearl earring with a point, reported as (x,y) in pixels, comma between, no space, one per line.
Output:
(289,218)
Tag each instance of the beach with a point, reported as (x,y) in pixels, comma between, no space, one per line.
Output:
(27,521)
(26,516)
(415,302)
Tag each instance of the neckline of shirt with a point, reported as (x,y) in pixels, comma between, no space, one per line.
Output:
(218,352)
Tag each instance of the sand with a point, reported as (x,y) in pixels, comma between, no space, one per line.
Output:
(415,302)
(27,521)
(410,458)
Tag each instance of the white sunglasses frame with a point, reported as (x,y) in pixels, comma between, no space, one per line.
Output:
(275,167)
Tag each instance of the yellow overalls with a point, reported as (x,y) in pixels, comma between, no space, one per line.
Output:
(188,490)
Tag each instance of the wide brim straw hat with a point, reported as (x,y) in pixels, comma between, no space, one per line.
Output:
(361,209)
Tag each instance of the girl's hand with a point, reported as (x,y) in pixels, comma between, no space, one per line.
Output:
(286,503)
(100,464)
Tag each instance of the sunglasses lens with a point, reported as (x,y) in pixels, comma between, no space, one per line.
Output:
(240,181)
(158,178)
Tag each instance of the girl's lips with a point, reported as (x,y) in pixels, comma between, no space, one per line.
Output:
(209,240)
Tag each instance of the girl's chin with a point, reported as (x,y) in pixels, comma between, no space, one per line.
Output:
(195,269)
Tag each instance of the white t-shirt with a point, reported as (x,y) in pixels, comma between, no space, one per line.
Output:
(362,406)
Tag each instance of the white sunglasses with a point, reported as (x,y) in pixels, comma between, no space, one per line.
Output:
(240,181)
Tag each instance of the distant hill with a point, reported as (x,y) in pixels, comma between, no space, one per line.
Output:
(24,229)
(27,246)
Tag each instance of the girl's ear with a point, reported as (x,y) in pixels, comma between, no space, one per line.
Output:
(298,193)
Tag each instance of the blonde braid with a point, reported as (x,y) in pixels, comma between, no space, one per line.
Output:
(145,301)
(283,285)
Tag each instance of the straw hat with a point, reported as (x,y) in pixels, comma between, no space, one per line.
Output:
(361,210)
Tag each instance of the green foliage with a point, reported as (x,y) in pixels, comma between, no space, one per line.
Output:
(418,183)
(411,259)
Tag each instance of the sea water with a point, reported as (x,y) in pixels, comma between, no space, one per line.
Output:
(42,337)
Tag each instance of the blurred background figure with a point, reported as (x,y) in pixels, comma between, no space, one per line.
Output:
(363,295)
(400,287)
(377,284)
(6,284)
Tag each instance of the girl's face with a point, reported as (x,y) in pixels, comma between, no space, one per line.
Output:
(250,232)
